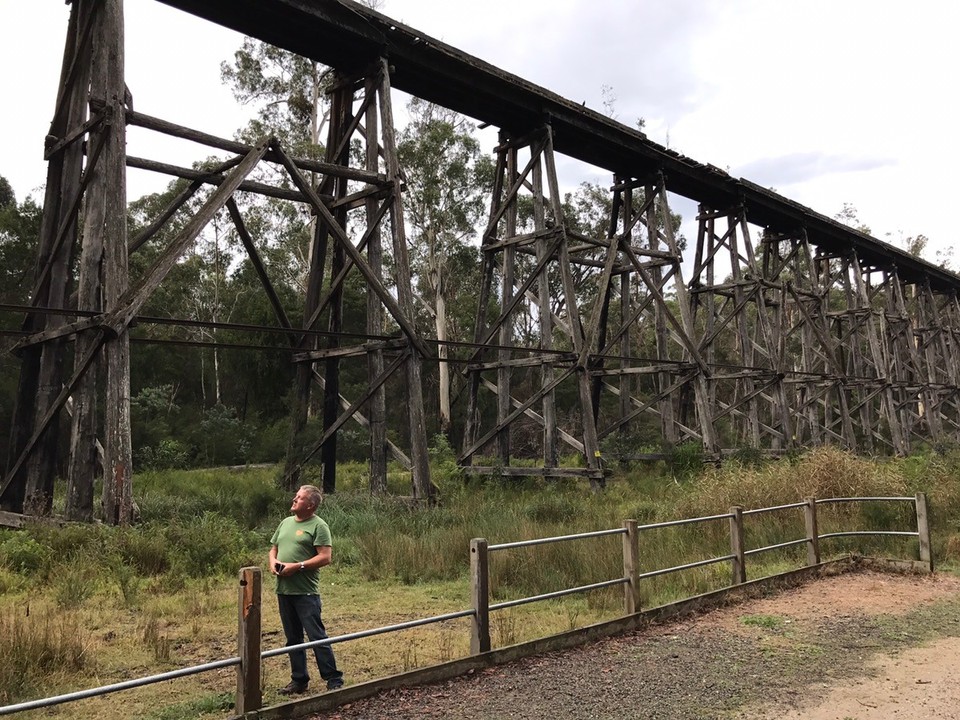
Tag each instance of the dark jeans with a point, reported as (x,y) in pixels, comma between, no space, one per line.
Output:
(300,614)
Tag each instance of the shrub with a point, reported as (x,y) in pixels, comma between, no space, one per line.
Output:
(210,545)
(685,460)
(168,453)
(71,541)
(144,548)
(223,439)
(824,473)
(23,554)
(444,469)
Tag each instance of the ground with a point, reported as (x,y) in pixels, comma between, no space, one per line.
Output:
(856,646)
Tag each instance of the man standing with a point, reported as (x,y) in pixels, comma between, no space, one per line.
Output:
(300,547)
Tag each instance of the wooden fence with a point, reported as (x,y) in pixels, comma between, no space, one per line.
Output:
(248,676)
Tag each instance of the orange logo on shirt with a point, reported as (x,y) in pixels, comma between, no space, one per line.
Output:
(299,532)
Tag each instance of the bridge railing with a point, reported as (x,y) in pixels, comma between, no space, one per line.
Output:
(248,662)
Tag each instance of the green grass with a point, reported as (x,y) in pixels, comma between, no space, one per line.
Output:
(214,703)
(162,594)
(769,622)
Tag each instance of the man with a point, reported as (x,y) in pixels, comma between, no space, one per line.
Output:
(300,547)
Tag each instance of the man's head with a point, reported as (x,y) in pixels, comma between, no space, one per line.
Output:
(306,501)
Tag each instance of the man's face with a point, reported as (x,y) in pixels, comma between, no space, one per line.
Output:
(301,502)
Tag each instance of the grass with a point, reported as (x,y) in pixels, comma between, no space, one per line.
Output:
(119,603)
(768,622)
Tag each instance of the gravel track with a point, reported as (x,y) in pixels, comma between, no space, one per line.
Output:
(759,659)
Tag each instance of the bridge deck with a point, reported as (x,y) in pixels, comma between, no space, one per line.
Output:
(349,36)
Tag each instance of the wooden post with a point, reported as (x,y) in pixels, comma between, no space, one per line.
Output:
(378,403)
(813,534)
(923,530)
(109,188)
(508,261)
(248,640)
(340,116)
(423,487)
(631,571)
(738,564)
(480,595)
(31,488)
(550,452)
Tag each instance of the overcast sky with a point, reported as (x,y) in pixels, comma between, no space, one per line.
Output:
(827,101)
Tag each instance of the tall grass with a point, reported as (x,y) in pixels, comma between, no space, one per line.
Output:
(197,528)
(36,647)
(207,524)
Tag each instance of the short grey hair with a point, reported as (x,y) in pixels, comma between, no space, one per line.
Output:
(314,494)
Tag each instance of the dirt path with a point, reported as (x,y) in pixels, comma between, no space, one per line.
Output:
(860,646)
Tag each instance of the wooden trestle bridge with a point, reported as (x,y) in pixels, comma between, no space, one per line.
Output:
(791,330)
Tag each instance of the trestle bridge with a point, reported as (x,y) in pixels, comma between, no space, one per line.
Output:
(783,329)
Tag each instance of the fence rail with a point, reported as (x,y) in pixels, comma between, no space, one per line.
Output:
(248,663)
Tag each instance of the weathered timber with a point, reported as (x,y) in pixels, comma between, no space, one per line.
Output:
(240,149)
(375,363)
(423,487)
(820,334)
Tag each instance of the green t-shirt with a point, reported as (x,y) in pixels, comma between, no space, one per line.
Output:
(298,542)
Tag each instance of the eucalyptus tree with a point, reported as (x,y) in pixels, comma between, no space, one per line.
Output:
(447,183)
(19,232)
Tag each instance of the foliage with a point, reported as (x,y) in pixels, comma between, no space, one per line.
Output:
(684,460)
(169,453)
(222,437)
(286,89)
(19,235)
(444,470)
(24,554)
(447,182)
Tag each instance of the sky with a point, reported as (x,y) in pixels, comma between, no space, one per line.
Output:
(829,102)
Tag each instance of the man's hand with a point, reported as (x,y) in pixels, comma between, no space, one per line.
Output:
(287,569)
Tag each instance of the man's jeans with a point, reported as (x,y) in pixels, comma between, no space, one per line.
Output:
(299,614)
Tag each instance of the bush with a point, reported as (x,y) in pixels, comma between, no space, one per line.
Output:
(824,473)
(71,541)
(223,439)
(444,470)
(685,460)
(168,453)
(144,548)
(22,554)
(211,545)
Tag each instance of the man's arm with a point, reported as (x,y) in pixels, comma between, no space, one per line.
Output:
(323,557)
(272,561)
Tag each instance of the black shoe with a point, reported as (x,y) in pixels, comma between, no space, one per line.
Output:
(335,685)
(293,688)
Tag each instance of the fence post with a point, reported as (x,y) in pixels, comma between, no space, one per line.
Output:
(480,595)
(631,571)
(248,641)
(923,531)
(813,534)
(738,564)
